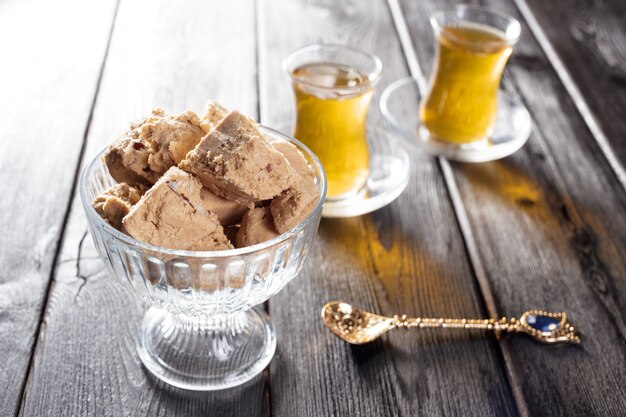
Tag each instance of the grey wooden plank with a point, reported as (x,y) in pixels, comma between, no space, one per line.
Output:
(45,102)
(176,56)
(548,231)
(595,30)
(406,258)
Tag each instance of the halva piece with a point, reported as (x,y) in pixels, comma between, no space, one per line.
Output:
(170,138)
(127,160)
(151,146)
(213,114)
(257,226)
(294,204)
(235,162)
(115,203)
(292,154)
(172,214)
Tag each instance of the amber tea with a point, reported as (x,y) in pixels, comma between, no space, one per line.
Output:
(332,101)
(462,102)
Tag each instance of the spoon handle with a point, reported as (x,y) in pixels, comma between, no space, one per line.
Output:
(423,322)
(543,326)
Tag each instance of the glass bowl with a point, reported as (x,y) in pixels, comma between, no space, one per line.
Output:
(202,330)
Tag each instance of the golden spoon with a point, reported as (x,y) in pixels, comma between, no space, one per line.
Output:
(358,326)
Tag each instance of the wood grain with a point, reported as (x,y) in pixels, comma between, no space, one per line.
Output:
(595,30)
(51,64)
(176,56)
(547,234)
(406,258)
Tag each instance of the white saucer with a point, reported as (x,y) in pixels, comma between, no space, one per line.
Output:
(390,171)
(399,103)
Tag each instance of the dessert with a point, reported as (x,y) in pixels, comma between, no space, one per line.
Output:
(173,214)
(150,147)
(115,203)
(293,155)
(257,226)
(236,162)
(127,160)
(294,204)
(205,184)
(213,113)
(170,138)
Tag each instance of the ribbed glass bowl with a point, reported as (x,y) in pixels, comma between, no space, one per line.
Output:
(202,330)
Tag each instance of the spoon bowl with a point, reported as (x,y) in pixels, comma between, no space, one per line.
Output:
(354,325)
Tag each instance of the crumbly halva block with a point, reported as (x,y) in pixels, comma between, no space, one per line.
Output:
(295,203)
(292,154)
(115,203)
(257,226)
(151,146)
(172,215)
(170,138)
(213,114)
(235,162)
(127,160)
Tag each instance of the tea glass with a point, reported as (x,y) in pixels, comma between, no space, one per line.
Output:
(473,46)
(203,331)
(462,115)
(331,111)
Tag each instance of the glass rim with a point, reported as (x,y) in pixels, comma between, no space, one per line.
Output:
(510,39)
(90,211)
(372,76)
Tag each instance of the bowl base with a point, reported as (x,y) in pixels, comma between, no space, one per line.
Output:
(203,354)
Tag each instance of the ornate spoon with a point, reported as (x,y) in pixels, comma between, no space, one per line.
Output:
(358,327)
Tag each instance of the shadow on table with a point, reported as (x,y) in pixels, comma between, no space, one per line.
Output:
(412,343)
(509,184)
(418,270)
(506,180)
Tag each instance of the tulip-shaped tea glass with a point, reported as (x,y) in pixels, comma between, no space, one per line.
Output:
(474,44)
(202,330)
(333,86)
(464,115)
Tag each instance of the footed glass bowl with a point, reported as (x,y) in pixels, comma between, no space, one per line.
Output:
(202,330)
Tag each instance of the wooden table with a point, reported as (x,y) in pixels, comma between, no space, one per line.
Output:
(544,228)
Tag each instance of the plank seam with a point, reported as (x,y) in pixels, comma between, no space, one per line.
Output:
(68,210)
(266,405)
(457,203)
(572,90)
(257,58)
